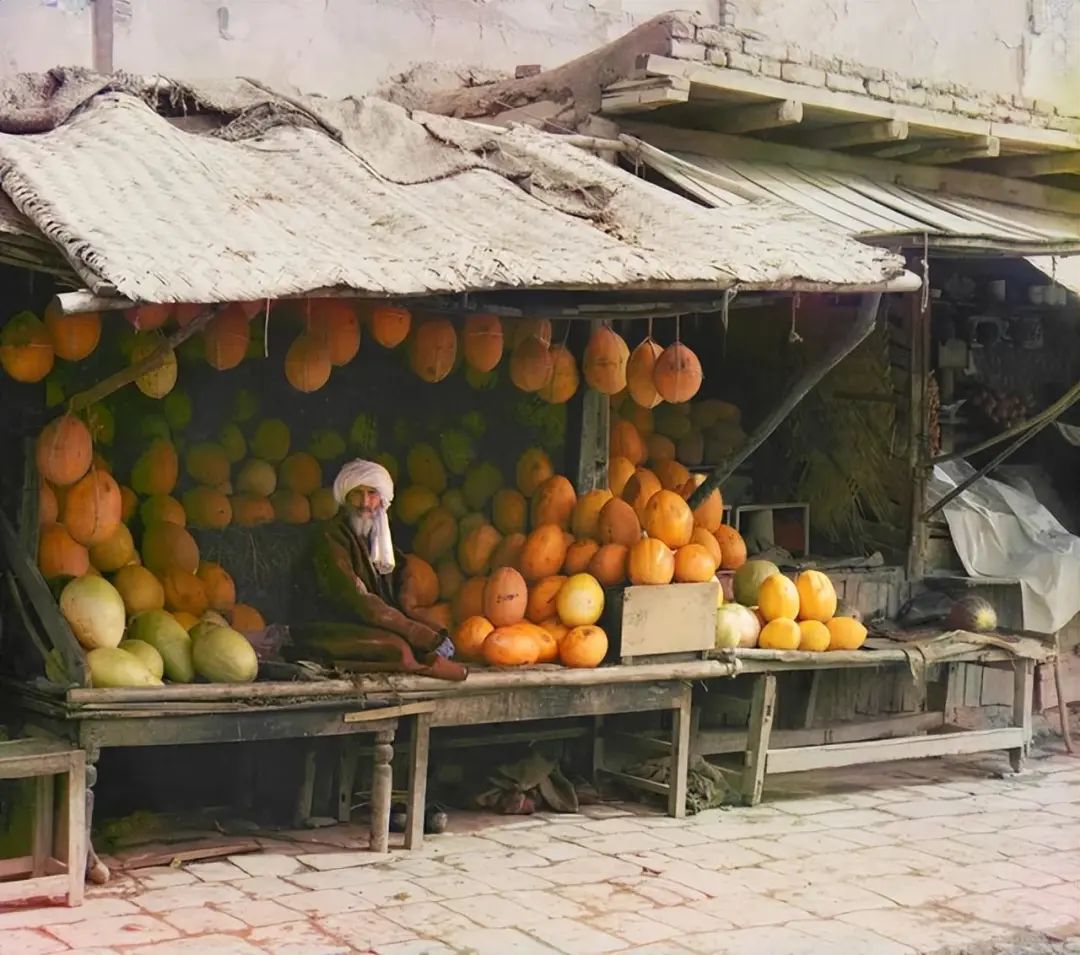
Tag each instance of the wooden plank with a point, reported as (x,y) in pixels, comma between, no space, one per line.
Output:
(389,712)
(515,705)
(22,866)
(649,616)
(748,119)
(637,782)
(25,890)
(418,777)
(680,755)
(857,134)
(1023,688)
(1025,167)
(719,742)
(762,711)
(988,147)
(854,105)
(883,751)
(638,96)
(912,175)
(210,693)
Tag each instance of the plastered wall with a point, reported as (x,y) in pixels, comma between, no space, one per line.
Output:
(1027,48)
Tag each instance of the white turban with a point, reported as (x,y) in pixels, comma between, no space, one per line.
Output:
(370,474)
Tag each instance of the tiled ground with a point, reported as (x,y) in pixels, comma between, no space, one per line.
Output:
(916,857)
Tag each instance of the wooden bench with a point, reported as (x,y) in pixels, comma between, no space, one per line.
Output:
(41,874)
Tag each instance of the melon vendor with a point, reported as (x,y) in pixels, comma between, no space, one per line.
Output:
(357,615)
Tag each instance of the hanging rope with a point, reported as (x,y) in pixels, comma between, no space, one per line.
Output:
(794,338)
(266,331)
(925,271)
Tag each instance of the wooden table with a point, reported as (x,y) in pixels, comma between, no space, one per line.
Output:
(93,720)
(546,693)
(935,738)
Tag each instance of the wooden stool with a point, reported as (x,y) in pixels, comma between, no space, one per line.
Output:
(43,874)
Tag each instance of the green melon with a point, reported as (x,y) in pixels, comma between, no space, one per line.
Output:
(222,655)
(112,667)
(147,655)
(749,578)
(164,634)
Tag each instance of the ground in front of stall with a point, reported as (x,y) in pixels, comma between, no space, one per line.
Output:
(934,856)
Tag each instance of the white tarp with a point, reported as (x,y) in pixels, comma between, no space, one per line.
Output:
(1000,531)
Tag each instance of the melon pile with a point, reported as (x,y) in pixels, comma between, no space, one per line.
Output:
(774,612)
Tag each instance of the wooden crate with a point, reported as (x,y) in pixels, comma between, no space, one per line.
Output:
(645,622)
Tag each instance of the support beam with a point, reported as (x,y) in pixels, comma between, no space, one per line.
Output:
(857,134)
(639,96)
(986,147)
(1031,167)
(749,119)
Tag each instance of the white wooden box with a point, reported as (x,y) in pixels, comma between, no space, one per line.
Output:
(675,618)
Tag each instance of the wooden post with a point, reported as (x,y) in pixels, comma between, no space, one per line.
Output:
(595,425)
(350,755)
(1023,691)
(78,839)
(102,25)
(762,710)
(918,450)
(305,795)
(418,773)
(44,787)
(382,783)
(680,754)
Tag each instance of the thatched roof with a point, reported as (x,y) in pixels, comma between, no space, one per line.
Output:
(254,194)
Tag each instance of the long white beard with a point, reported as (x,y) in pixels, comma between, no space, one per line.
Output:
(362,525)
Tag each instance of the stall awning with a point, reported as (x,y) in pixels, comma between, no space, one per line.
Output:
(252,194)
(868,209)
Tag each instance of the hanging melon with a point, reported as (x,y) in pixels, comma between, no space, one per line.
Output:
(334,323)
(92,508)
(433,350)
(531,365)
(563,383)
(226,338)
(389,324)
(605,361)
(160,380)
(64,451)
(677,374)
(59,554)
(482,342)
(307,363)
(639,374)
(518,330)
(73,337)
(26,351)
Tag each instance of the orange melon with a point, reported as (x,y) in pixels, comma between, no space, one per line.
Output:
(531,365)
(620,470)
(508,553)
(618,524)
(667,517)
(139,589)
(564,380)
(579,555)
(710,543)
(469,638)
(673,476)
(608,564)
(583,647)
(814,636)
(509,511)
(48,507)
(732,547)
(59,554)
(156,470)
(533,469)
(246,619)
(605,360)
(251,510)
(92,507)
(625,442)
(334,323)
(554,502)
(778,597)
(639,490)
(542,596)
(846,633)
(709,514)
(64,451)
(650,561)
(162,507)
(219,586)
(677,374)
(114,552)
(307,364)
(168,547)
(585,521)
(817,596)
(73,337)
(482,342)
(639,374)
(433,350)
(505,597)
(26,351)
(476,549)
(781,633)
(290,507)
(544,552)
(184,592)
(300,472)
(469,601)
(226,338)
(515,645)
(389,324)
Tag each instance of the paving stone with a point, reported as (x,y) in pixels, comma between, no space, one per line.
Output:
(28,941)
(850,939)
(798,845)
(545,904)
(365,930)
(625,842)
(972,879)
(606,811)
(337,878)
(956,852)
(709,883)
(925,930)
(420,946)
(264,886)
(267,863)
(1052,837)
(519,838)
(419,868)
(613,825)
(453,886)
(392,892)
(163,877)
(118,930)
(215,871)
(660,891)
(297,938)
(494,911)
(203,921)
(433,918)
(602,897)
(562,851)
(61,914)
(497,941)
(205,945)
(186,896)
(731,855)
(259,912)
(574,938)
(496,861)
(770,940)
(1065,865)
(915,890)
(688,919)
(810,807)
(324,902)
(1020,875)
(827,900)
(325,861)
(1002,908)
(660,948)
(634,927)
(454,845)
(852,818)
(751,909)
(519,880)
(576,871)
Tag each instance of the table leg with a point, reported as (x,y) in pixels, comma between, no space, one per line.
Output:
(680,754)
(597,752)
(418,775)
(78,840)
(762,709)
(96,870)
(44,787)
(1023,691)
(305,795)
(382,782)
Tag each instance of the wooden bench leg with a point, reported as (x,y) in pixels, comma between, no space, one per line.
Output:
(305,795)
(762,709)
(44,787)
(418,774)
(680,754)
(78,845)
(382,783)
(349,758)
(1023,690)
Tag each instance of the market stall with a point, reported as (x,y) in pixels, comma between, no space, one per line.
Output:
(168,459)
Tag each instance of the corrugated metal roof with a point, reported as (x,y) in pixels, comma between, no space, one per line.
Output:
(868,209)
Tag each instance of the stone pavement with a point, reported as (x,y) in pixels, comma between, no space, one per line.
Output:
(934,856)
